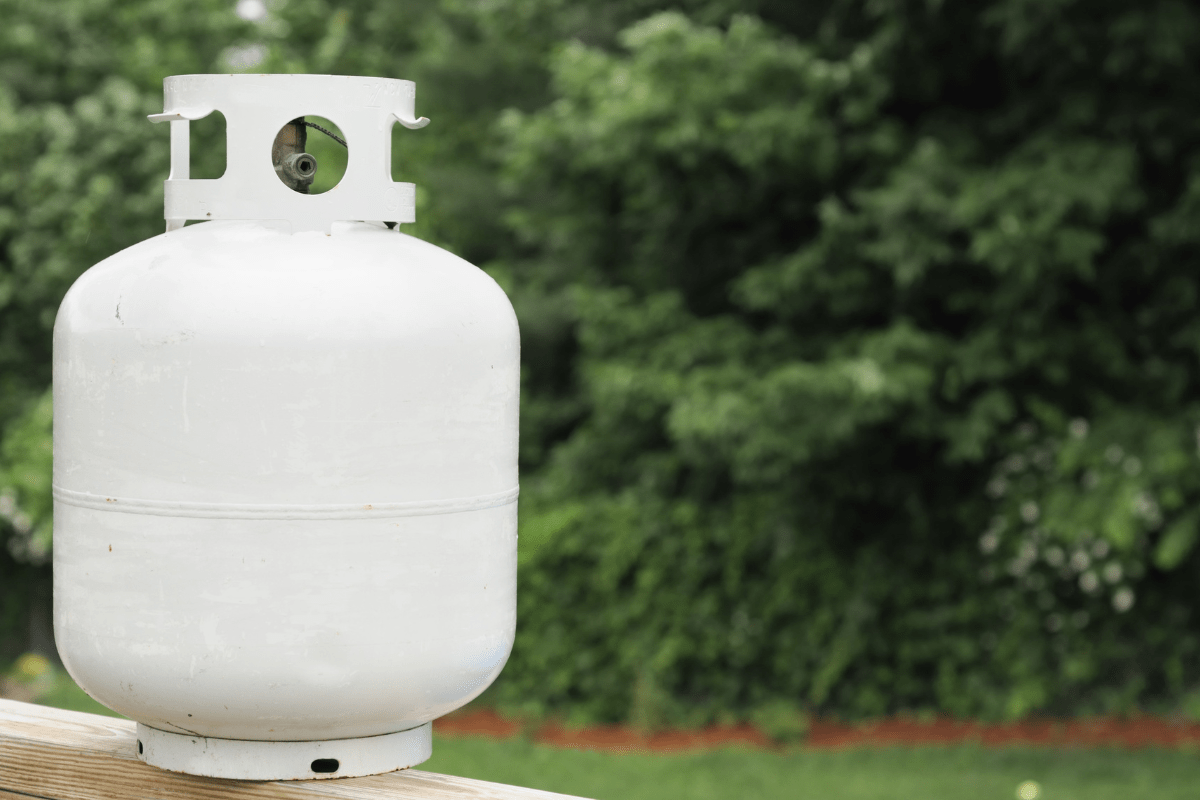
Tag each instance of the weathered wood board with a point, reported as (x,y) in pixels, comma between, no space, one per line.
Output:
(52,754)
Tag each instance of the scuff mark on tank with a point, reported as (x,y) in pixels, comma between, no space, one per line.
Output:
(185,730)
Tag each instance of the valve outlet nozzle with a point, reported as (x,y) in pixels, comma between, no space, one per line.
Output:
(300,168)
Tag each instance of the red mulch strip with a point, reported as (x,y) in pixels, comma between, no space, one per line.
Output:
(1098,732)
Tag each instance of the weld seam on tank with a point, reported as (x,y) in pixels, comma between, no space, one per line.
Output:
(171,508)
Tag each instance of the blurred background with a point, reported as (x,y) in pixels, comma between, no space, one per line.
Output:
(860,337)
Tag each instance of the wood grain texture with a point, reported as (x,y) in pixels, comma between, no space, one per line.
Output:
(51,754)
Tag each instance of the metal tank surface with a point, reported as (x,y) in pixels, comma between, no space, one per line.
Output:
(285,455)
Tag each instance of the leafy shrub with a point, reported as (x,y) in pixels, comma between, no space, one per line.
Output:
(808,290)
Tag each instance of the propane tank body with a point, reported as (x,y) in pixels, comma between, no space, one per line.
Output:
(285,492)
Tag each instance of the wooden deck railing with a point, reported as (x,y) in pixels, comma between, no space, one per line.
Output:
(52,754)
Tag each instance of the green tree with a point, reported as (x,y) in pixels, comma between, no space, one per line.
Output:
(859,335)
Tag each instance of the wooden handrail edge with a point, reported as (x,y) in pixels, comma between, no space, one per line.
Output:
(54,754)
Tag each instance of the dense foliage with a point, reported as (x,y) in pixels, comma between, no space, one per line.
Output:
(860,338)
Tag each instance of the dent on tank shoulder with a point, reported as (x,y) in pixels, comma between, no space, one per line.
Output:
(112,273)
(184,240)
(134,257)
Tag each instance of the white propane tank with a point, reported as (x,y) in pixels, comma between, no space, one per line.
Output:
(285,456)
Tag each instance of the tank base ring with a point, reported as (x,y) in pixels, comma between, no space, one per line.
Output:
(284,761)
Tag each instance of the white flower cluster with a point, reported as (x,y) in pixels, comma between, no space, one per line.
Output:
(1061,570)
(26,544)
(1146,508)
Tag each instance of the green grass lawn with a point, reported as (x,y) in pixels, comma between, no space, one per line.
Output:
(920,773)
(923,773)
